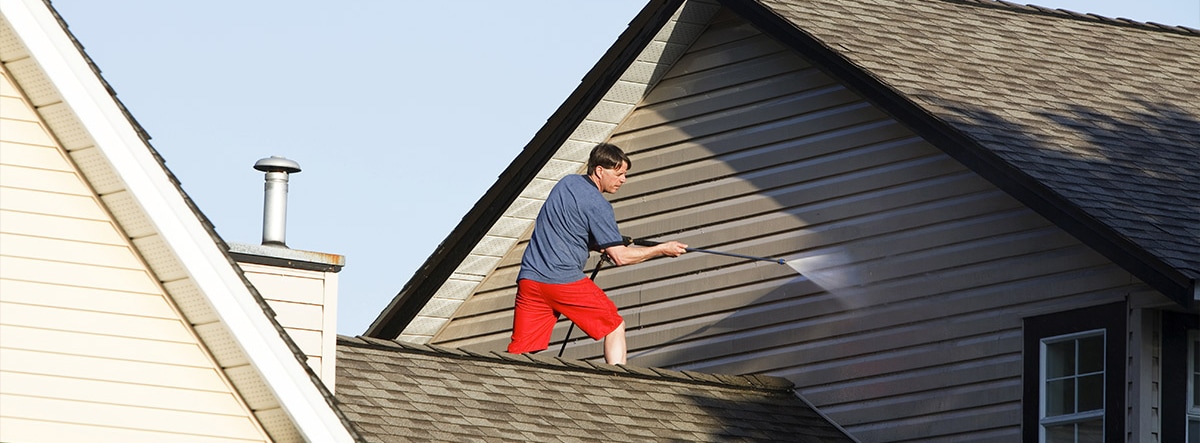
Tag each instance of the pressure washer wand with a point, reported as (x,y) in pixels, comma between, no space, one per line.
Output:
(640,242)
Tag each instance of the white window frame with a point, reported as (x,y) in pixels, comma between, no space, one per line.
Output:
(1077,417)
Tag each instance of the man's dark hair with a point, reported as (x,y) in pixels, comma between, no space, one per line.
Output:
(609,156)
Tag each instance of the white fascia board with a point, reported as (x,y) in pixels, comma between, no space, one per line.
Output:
(179,226)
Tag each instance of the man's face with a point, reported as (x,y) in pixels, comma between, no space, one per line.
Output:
(611,179)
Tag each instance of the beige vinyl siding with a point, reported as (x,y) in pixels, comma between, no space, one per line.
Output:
(907,321)
(91,349)
(304,302)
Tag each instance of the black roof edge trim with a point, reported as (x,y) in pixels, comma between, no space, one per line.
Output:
(454,249)
(1151,270)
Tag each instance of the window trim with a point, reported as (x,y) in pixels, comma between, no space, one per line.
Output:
(1111,318)
(1177,328)
(1192,407)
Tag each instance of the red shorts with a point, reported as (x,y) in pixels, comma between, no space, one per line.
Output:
(539,304)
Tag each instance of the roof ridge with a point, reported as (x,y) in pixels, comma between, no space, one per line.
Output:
(1063,13)
(752,382)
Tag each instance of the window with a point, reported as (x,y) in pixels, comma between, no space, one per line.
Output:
(1180,377)
(1074,376)
(1193,413)
(1072,403)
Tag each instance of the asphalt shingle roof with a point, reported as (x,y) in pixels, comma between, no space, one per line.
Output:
(393,391)
(1104,113)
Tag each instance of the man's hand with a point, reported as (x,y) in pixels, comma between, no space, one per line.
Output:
(672,248)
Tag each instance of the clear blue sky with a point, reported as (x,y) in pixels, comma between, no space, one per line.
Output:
(401,113)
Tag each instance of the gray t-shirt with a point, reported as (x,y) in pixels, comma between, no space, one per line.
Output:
(575,216)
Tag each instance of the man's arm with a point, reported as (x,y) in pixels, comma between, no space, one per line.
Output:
(623,255)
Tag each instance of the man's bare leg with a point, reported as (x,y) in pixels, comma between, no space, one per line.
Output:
(614,346)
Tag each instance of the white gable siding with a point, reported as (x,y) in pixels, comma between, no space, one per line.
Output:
(182,254)
(91,349)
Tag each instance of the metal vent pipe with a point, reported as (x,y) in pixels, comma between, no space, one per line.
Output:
(275,198)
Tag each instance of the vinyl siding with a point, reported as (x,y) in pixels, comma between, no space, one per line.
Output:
(304,302)
(1144,404)
(668,44)
(91,349)
(906,322)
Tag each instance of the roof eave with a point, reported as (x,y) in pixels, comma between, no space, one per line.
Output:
(475,224)
(1067,216)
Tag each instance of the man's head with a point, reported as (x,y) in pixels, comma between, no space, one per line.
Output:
(607,166)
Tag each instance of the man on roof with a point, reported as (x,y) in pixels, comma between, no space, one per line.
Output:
(576,219)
